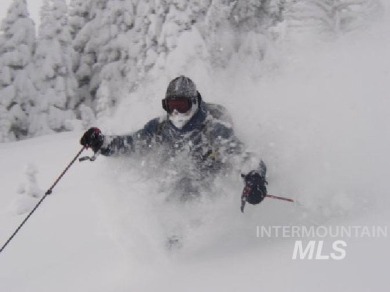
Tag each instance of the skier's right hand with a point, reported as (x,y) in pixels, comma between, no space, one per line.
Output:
(92,138)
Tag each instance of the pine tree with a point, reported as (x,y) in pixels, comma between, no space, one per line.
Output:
(354,14)
(55,79)
(329,18)
(147,26)
(80,12)
(16,88)
(179,33)
(219,32)
(232,27)
(116,40)
(87,42)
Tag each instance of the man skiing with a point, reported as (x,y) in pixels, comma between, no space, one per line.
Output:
(195,141)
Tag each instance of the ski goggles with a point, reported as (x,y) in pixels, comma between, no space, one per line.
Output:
(182,105)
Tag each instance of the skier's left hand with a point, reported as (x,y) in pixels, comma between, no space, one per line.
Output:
(255,189)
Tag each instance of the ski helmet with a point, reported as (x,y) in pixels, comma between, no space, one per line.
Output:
(181,95)
(181,87)
(181,101)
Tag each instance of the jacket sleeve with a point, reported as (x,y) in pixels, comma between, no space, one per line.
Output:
(233,152)
(136,142)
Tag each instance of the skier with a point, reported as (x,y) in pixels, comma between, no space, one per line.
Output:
(194,138)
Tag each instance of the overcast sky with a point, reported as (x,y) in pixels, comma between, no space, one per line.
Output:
(33,7)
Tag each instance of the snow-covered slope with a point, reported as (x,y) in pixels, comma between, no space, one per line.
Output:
(320,120)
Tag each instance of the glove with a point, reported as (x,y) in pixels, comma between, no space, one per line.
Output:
(255,188)
(92,138)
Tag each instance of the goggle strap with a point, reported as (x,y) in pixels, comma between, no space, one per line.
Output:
(164,105)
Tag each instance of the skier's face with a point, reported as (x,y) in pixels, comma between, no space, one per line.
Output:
(179,120)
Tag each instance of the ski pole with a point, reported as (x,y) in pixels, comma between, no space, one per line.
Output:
(280,198)
(48,192)
(243,201)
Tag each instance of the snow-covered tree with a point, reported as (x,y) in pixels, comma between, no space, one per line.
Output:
(79,14)
(353,14)
(147,27)
(173,41)
(55,78)
(229,25)
(29,190)
(218,32)
(17,92)
(116,41)
(329,18)
(111,51)
(86,62)
(249,14)
(125,42)
(87,43)
(5,125)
